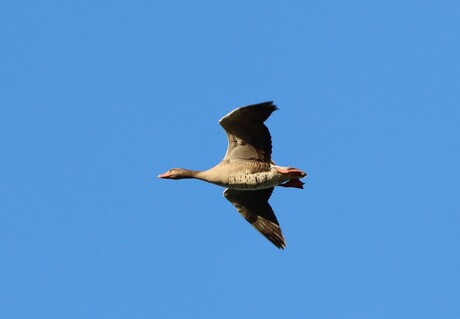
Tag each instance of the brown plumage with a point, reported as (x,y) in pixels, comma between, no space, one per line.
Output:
(247,169)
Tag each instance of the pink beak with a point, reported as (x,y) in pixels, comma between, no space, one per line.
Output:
(164,175)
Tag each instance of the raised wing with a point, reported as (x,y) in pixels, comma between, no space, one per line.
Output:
(248,138)
(254,207)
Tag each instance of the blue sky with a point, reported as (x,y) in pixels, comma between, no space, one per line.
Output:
(98,98)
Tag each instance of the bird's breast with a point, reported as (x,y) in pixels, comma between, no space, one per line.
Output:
(252,181)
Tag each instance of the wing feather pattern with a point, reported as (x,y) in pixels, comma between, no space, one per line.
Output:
(248,138)
(254,207)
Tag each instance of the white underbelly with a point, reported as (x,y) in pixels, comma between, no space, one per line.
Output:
(252,181)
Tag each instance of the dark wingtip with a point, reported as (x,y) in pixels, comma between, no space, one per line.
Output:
(269,104)
(281,246)
(277,240)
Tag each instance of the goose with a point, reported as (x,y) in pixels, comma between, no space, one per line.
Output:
(247,170)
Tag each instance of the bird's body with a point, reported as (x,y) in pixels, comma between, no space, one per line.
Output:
(243,175)
(247,170)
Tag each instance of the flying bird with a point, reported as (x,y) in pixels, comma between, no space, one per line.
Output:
(247,170)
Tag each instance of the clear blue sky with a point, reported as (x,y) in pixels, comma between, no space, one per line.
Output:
(99,97)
